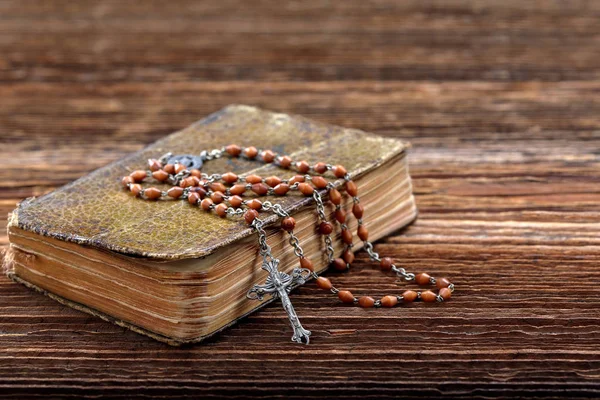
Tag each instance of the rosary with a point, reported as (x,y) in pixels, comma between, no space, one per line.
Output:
(222,194)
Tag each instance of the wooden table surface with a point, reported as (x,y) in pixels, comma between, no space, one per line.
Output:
(501,101)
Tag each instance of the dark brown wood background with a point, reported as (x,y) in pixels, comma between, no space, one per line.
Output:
(501,100)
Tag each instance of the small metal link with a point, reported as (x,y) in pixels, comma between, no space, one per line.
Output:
(296,245)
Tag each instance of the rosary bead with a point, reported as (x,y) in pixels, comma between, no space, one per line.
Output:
(340,216)
(442,283)
(303,166)
(297,178)
(250,215)
(175,192)
(152,193)
(306,264)
(196,172)
(422,279)
(179,168)
(363,233)
(154,165)
(320,168)
(138,176)
(366,302)
(233,150)
(200,190)
(250,152)
(127,180)
(335,196)
(348,256)
(288,224)
(319,182)
(206,204)
(135,188)
(358,210)
(237,189)
(306,189)
(169,169)
(325,228)
(285,162)
(273,181)
(217,187)
(346,296)
(324,283)
(347,236)
(386,264)
(445,293)
(339,264)
(409,296)
(260,189)
(160,175)
(351,188)
(428,296)
(193,198)
(217,197)
(339,171)
(254,204)
(253,179)
(389,301)
(268,156)
(281,189)
(187,182)
(229,177)
(235,201)
(221,210)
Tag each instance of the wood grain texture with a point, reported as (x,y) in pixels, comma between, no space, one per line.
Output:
(501,103)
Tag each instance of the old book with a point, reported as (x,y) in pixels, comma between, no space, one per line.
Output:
(171,271)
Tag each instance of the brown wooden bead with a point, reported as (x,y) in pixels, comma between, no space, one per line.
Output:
(351,188)
(366,302)
(221,210)
(260,189)
(250,152)
(303,167)
(428,296)
(340,216)
(169,169)
(288,224)
(346,296)
(281,189)
(320,168)
(237,189)
(324,283)
(253,179)
(179,168)
(386,264)
(138,176)
(319,182)
(175,192)
(296,178)
(273,181)
(250,216)
(339,264)
(233,150)
(236,201)
(152,193)
(339,171)
(194,179)
(187,182)
(363,233)
(154,165)
(445,293)
(285,161)
(389,301)
(217,187)
(348,256)
(160,175)
(358,210)
(206,204)
(254,204)
(200,190)
(135,188)
(335,196)
(268,156)
(217,197)
(422,279)
(325,228)
(306,263)
(229,177)
(409,296)
(306,189)
(347,236)
(196,172)
(193,198)
(127,180)
(442,283)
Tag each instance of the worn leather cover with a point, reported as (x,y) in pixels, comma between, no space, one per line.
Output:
(96,211)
